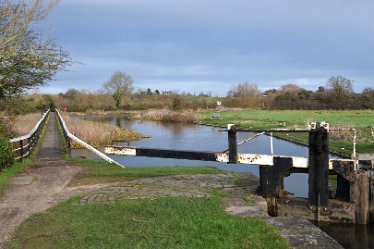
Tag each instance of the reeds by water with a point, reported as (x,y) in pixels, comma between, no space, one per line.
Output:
(168,116)
(98,134)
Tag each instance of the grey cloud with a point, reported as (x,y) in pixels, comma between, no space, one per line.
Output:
(209,43)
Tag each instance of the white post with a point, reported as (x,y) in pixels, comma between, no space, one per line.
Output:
(354,156)
(271,144)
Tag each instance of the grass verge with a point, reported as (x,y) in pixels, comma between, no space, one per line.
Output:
(20,167)
(172,222)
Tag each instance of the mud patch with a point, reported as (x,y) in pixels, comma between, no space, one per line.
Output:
(21,180)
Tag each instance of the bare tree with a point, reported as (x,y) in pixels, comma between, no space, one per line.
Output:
(340,85)
(340,89)
(119,85)
(26,60)
(244,90)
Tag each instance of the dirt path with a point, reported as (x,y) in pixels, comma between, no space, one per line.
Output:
(38,189)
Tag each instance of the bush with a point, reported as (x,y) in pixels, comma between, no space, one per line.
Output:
(176,103)
(6,153)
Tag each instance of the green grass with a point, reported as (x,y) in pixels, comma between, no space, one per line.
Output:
(219,193)
(103,172)
(361,120)
(341,147)
(172,222)
(259,119)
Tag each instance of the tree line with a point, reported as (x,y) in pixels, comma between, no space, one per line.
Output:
(337,94)
(119,93)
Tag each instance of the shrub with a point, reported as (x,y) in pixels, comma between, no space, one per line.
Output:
(176,103)
(6,153)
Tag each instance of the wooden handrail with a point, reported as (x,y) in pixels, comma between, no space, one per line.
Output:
(69,136)
(31,139)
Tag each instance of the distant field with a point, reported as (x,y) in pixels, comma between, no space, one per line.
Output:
(341,142)
(265,118)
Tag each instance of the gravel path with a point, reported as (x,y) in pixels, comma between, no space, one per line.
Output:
(177,185)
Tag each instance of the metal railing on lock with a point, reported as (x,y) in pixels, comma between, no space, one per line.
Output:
(68,137)
(24,145)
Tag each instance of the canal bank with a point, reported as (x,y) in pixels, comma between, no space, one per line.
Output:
(238,195)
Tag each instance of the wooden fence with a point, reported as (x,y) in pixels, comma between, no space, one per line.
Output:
(24,145)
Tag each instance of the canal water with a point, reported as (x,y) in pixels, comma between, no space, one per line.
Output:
(182,136)
(206,138)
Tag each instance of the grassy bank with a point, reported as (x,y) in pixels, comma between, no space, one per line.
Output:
(172,222)
(165,222)
(98,134)
(340,142)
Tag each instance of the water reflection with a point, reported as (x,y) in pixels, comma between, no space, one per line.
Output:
(350,236)
(118,122)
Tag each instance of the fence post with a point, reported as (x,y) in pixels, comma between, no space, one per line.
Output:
(233,150)
(68,144)
(29,145)
(318,166)
(21,144)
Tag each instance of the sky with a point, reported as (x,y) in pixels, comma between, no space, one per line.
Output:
(211,45)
